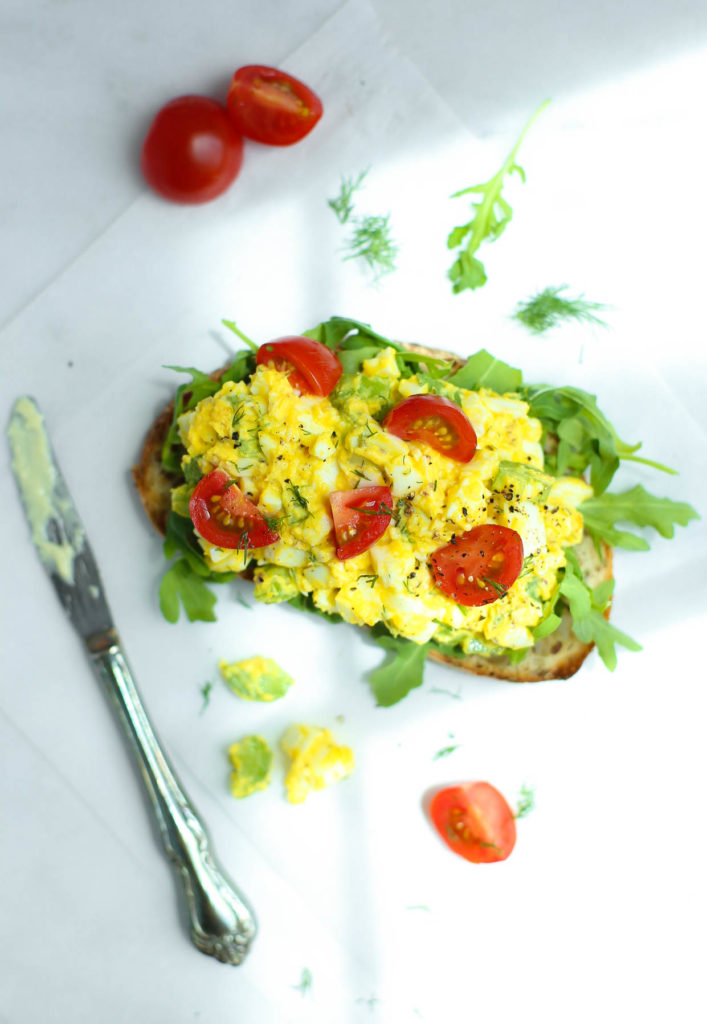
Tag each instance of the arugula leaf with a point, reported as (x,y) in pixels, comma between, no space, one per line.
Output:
(185,580)
(546,309)
(636,506)
(181,585)
(586,437)
(482,370)
(587,609)
(492,215)
(343,332)
(396,677)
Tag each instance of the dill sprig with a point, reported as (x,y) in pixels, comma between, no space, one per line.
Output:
(371,241)
(526,802)
(548,308)
(342,205)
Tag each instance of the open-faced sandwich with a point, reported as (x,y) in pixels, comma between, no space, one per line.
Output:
(455,511)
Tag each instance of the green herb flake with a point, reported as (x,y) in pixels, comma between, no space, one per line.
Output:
(445,751)
(549,308)
(205,692)
(492,215)
(305,983)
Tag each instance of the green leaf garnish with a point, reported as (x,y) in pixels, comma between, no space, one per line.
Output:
(638,507)
(587,609)
(180,585)
(482,370)
(548,308)
(239,334)
(492,215)
(397,676)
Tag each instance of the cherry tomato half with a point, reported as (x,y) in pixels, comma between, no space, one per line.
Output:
(435,420)
(192,152)
(311,367)
(360,517)
(475,821)
(224,516)
(271,106)
(479,566)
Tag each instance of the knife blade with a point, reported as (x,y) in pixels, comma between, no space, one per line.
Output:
(221,922)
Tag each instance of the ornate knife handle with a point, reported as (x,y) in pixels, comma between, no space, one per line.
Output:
(222,924)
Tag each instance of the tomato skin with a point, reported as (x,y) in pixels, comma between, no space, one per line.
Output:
(271,106)
(357,530)
(192,151)
(224,516)
(436,421)
(479,566)
(475,821)
(312,368)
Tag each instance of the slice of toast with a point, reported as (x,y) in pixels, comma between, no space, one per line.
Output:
(557,656)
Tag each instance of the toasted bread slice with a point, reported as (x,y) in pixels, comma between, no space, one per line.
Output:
(557,656)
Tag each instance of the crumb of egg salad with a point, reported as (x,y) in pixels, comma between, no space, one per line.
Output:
(289,452)
(316,760)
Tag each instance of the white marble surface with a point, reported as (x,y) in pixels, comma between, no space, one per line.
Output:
(598,914)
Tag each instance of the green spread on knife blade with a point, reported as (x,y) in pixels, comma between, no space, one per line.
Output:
(34,471)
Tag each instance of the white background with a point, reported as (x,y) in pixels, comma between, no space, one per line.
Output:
(599,913)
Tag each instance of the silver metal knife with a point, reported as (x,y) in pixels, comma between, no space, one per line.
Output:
(221,922)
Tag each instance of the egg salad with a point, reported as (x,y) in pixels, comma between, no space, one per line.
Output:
(288,452)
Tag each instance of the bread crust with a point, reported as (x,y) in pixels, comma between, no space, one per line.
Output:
(557,656)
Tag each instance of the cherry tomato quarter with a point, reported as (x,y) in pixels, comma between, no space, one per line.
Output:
(271,106)
(360,517)
(224,516)
(436,421)
(475,821)
(311,368)
(480,565)
(192,151)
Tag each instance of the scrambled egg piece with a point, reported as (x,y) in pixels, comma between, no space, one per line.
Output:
(256,678)
(317,761)
(251,758)
(288,452)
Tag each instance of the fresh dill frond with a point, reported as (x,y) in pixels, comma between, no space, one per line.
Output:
(548,308)
(371,241)
(342,205)
(526,802)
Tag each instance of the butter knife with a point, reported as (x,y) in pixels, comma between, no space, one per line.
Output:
(221,922)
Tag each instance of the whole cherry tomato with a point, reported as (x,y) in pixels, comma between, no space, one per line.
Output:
(436,421)
(480,565)
(192,151)
(271,106)
(360,517)
(475,821)
(311,368)
(224,516)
